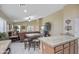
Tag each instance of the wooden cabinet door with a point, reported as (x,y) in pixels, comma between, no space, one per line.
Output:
(60,52)
(66,50)
(76,46)
(58,48)
(72,49)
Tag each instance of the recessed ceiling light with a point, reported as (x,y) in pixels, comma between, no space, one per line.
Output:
(25,11)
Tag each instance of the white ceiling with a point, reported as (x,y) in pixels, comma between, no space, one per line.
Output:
(16,12)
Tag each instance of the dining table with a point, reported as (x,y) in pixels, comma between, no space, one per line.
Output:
(30,38)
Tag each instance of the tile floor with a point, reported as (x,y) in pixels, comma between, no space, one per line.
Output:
(18,48)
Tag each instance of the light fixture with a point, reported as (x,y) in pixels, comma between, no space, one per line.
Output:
(25,11)
(29,20)
(22,5)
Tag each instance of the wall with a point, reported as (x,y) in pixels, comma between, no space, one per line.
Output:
(9,21)
(71,12)
(56,21)
(76,30)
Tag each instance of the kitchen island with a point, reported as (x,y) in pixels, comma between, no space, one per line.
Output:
(59,45)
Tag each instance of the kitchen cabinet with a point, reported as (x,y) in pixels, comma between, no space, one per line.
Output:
(68,47)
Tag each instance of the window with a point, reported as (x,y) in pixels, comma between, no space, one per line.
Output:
(18,28)
(30,28)
(2,25)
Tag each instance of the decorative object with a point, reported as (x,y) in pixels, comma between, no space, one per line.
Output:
(48,25)
(68,28)
(68,21)
(47,28)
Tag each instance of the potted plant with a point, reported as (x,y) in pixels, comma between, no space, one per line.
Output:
(3,36)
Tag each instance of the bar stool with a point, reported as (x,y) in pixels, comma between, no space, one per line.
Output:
(36,43)
(26,43)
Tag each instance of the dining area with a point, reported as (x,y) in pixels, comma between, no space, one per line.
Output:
(32,40)
(28,43)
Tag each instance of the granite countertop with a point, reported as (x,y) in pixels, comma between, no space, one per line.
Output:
(57,40)
(4,45)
